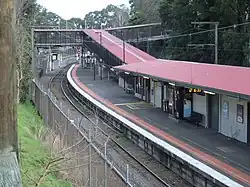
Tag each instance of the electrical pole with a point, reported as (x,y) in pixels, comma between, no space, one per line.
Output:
(148,41)
(216,42)
(216,24)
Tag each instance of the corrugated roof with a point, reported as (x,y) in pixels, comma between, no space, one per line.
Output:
(115,46)
(227,78)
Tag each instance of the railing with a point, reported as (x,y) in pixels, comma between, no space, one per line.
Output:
(140,33)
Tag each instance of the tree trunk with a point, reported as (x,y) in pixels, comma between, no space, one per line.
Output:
(8,121)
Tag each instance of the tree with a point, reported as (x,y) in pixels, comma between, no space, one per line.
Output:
(177,15)
(111,16)
(77,23)
(9,170)
(24,21)
(8,122)
(43,17)
(144,11)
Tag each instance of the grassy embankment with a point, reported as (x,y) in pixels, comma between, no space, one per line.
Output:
(34,155)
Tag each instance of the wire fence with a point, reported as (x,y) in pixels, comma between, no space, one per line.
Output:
(81,149)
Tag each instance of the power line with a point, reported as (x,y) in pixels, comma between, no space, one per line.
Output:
(235,33)
(187,34)
(209,30)
(182,35)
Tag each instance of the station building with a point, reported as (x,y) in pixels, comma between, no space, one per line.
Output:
(214,96)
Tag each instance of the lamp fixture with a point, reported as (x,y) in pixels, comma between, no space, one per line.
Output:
(211,93)
(172,84)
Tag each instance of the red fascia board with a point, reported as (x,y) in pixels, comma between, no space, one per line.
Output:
(228,78)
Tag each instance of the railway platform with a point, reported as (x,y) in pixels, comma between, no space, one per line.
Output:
(226,156)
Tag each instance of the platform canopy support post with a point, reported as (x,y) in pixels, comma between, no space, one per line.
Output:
(94,63)
(82,56)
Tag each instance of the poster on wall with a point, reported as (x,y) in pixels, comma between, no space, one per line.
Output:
(240,114)
(225,109)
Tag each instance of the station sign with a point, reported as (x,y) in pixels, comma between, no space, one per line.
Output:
(195,90)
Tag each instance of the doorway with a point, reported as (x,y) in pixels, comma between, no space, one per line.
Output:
(213,111)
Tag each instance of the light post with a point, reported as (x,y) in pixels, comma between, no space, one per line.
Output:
(100,34)
(100,50)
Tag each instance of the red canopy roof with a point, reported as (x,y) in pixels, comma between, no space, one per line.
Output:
(228,78)
(115,46)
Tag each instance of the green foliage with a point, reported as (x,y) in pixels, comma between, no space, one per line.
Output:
(144,11)
(111,16)
(24,21)
(32,14)
(76,23)
(44,17)
(137,18)
(24,59)
(34,156)
(177,15)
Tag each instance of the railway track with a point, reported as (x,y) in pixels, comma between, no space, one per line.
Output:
(113,134)
(118,148)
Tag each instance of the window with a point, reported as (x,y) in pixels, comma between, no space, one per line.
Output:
(240,113)
(225,109)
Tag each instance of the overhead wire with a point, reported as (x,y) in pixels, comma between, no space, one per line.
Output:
(209,30)
(186,34)
(164,47)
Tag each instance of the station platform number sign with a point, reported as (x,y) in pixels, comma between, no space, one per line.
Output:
(195,90)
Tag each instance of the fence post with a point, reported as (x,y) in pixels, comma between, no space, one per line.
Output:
(78,138)
(41,107)
(90,165)
(53,113)
(40,99)
(46,107)
(68,113)
(105,164)
(61,105)
(127,176)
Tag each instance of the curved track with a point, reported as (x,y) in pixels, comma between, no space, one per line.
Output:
(117,144)
(113,143)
